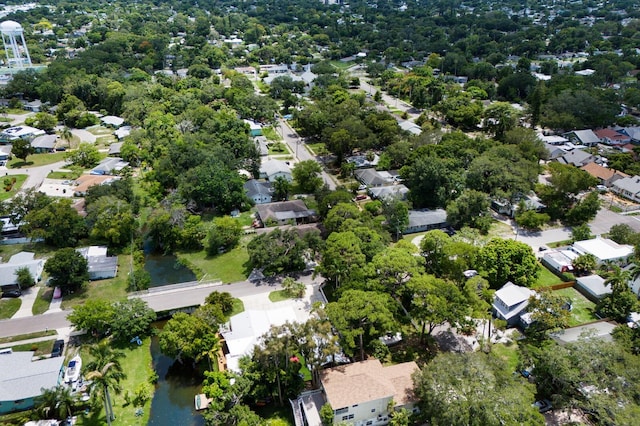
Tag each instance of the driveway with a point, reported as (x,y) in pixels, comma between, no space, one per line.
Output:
(36,175)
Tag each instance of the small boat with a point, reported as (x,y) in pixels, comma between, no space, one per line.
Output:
(202,402)
(72,374)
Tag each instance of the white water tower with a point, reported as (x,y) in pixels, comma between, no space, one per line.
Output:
(14,45)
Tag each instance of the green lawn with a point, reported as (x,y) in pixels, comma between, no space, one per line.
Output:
(583,309)
(546,278)
(279,148)
(40,348)
(317,148)
(271,134)
(42,302)
(40,249)
(557,244)
(4,194)
(111,289)
(36,160)
(279,296)
(228,267)
(343,65)
(137,365)
(8,307)
(509,354)
(500,229)
(27,336)
(238,307)
(69,174)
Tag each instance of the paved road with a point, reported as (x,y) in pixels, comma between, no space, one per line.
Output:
(160,301)
(300,152)
(36,174)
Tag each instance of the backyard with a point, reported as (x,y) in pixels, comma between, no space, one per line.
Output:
(12,186)
(583,310)
(228,267)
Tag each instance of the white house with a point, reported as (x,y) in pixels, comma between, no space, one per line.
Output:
(272,169)
(101,266)
(604,250)
(18,261)
(560,260)
(510,302)
(593,287)
(259,192)
(361,393)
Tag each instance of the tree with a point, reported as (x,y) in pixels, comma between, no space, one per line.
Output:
(281,189)
(621,301)
(224,234)
(68,270)
(499,118)
(277,252)
(360,316)
(293,288)
(85,156)
(326,414)
(470,209)
(24,278)
(342,259)
(549,312)
(531,220)
(474,389)
(396,214)
(221,299)
(392,268)
(22,148)
(131,317)
(584,264)
(43,121)
(508,260)
(581,233)
(57,222)
(622,233)
(105,372)
(111,219)
(58,403)
(307,175)
(436,301)
(94,316)
(188,337)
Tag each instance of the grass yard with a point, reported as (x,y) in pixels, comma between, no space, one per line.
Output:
(500,229)
(4,195)
(508,354)
(279,296)
(238,307)
(279,148)
(43,300)
(40,249)
(68,174)
(317,148)
(583,309)
(274,415)
(546,278)
(111,289)
(36,160)
(8,307)
(137,365)
(271,134)
(40,348)
(557,244)
(228,267)
(27,336)
(343,65)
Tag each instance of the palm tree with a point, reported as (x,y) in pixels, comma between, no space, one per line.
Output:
(105,372)
(211,350)
(619,279)
(66,135)
(58,402)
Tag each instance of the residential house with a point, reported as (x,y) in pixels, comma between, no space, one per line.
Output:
(112,121)
(5,153)
(259,192)
(115,148)
(44,143)
(612,137)
(84,182)
(593,287)
(101,266)
(553,139)
(605,175)
(363,161)
(604,250)
(22,380)
(261,145)
(23,259)
(122,132)
(510,302)
(272,169)
(410,126)
(19,132)
(366,392)
(627,148)
(389,192)
(255,129)
(633,132)
(33,106)
(109,166)
(576,157)
(426,220)
(371,178)
(560,261)
(628,187)
(583,137)
(554,151)
(285,213)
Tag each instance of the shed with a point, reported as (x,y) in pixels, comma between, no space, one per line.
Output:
(593,287)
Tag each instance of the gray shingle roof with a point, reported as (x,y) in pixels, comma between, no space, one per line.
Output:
(20,378)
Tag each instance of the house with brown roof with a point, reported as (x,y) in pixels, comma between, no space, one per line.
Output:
(611,137)
(360,393)
(285,213)
(605,175)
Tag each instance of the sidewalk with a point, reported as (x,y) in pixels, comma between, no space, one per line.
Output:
(62,333)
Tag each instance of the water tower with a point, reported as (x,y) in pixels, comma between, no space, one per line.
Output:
(14,45)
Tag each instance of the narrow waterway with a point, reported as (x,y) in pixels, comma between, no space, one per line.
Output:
(173,401)
(166,270)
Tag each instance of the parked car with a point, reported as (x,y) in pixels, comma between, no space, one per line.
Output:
(58,348)
(543,405)
(11,293)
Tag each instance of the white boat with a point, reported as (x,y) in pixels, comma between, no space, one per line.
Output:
(72,374)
